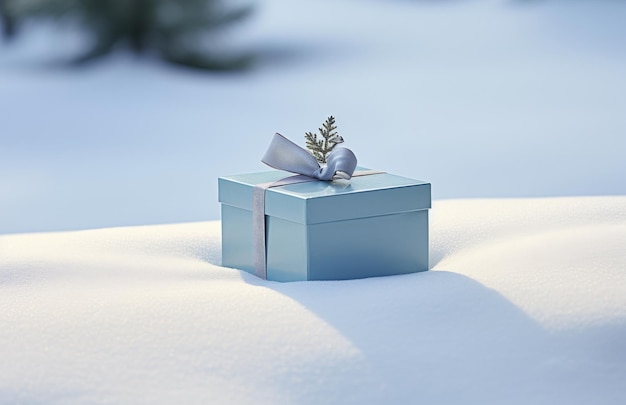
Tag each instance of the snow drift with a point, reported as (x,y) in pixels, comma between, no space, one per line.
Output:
(525,303)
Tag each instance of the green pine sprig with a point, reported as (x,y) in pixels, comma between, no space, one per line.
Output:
(321,148)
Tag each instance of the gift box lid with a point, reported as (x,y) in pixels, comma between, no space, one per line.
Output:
(322,201)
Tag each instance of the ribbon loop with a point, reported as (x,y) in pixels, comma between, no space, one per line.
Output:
(282,154)
(341,162)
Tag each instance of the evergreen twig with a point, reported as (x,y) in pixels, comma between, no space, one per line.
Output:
(321,148)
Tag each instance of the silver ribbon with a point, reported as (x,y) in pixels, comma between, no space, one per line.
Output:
(282,154)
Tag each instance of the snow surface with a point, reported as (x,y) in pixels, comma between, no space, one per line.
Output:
(525,303)
(485,98)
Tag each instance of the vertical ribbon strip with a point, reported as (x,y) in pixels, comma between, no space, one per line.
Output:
(259,258)
(259,236)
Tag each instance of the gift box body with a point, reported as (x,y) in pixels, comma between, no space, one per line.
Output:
(375,225)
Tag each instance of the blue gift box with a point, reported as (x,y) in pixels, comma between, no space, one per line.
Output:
(374,225)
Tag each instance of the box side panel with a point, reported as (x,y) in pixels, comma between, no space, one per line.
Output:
(319,201)
(234,194)
(286,250)
(285,206)
(362,204)
(369,247)
(237,191)
(237,238)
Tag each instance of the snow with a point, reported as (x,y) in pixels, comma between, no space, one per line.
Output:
(525,303)
(513,110)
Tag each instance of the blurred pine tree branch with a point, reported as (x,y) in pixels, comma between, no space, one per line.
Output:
(7,19)
(175,30)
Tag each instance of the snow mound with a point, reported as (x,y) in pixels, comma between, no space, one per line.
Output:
(525,303)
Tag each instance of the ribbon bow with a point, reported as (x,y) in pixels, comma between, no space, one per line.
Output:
(282,154)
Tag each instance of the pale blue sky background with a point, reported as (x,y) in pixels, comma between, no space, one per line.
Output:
(482,98)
